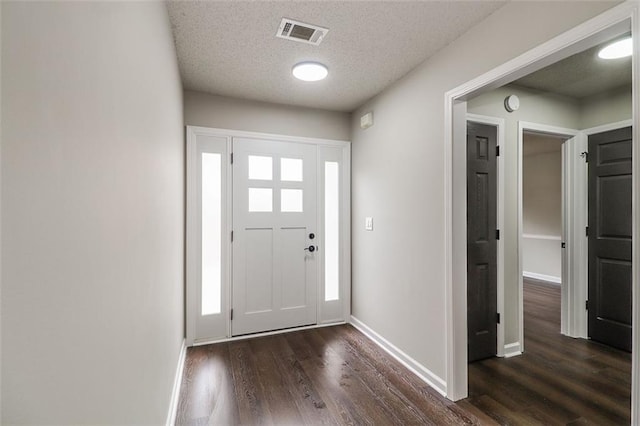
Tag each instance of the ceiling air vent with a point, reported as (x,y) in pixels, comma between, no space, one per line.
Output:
(299,31)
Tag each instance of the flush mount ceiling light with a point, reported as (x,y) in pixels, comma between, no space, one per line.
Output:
(310,71)
(619,49)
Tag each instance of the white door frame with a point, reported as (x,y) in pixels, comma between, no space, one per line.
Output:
(568,225)
(574,256)
(611,23)
(499,123)
(327,315)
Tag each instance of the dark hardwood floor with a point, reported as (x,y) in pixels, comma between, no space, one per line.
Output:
(558,380)
(335,375)
(331,375)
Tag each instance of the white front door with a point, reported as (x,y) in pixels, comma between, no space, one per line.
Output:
(274,235)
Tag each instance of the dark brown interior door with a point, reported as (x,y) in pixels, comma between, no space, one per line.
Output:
(481,241)
(610,238)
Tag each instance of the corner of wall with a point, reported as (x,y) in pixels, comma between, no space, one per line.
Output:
(426,375)
(177,385)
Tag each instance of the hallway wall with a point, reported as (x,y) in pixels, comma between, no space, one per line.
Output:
(542,211)
(203,109)
(398,178)
(92,213)
(606,108)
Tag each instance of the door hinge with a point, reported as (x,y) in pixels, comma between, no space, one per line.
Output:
(231,236)
(498,317)
(232,158)
(586,231)
(497,234)
(231,314)
(585,155)
(497,150)
(563,244)
(586,305)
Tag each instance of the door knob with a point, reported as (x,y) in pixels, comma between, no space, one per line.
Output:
(311,248)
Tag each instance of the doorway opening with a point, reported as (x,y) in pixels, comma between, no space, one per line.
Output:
(552,214)
(542,202)
(611,24)
(555,158)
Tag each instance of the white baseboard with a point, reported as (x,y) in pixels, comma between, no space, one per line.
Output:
(542,277)
(177,382)
(414,366)
(512,349)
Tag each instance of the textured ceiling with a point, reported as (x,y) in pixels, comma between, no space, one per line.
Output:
(581,75)
(229,47)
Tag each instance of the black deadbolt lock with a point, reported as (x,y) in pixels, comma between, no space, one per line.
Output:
(312,236)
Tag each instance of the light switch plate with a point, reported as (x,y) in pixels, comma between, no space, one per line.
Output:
(368,224)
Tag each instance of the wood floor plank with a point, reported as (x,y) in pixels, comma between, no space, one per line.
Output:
(514,395)
(278,396)
(421,395)
(468,408)
(207,391)
(249,391)
(377,405)
(337,376)
(558,380)
(304,389)
(397,408)
(502,414)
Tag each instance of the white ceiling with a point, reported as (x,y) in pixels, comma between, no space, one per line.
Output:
(229,48)
(581,75)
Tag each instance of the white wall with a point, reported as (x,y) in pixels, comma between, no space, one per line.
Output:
(542,193)
(398,178)
(606,108)
(92,209)
(542,212)
(202,109)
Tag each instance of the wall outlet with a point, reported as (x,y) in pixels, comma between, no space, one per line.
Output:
(368,224)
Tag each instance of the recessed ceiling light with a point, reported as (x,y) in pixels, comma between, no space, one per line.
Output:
(619,49)
(310,71)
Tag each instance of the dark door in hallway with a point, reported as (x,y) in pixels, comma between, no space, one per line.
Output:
(609,233)
(481,241)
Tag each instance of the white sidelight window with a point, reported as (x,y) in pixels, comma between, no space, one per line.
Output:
(211,219)
(331,231)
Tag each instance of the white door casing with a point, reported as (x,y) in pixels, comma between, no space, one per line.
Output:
(613,22)
(209,247)
(569,223)
(574,256)
(274,257)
